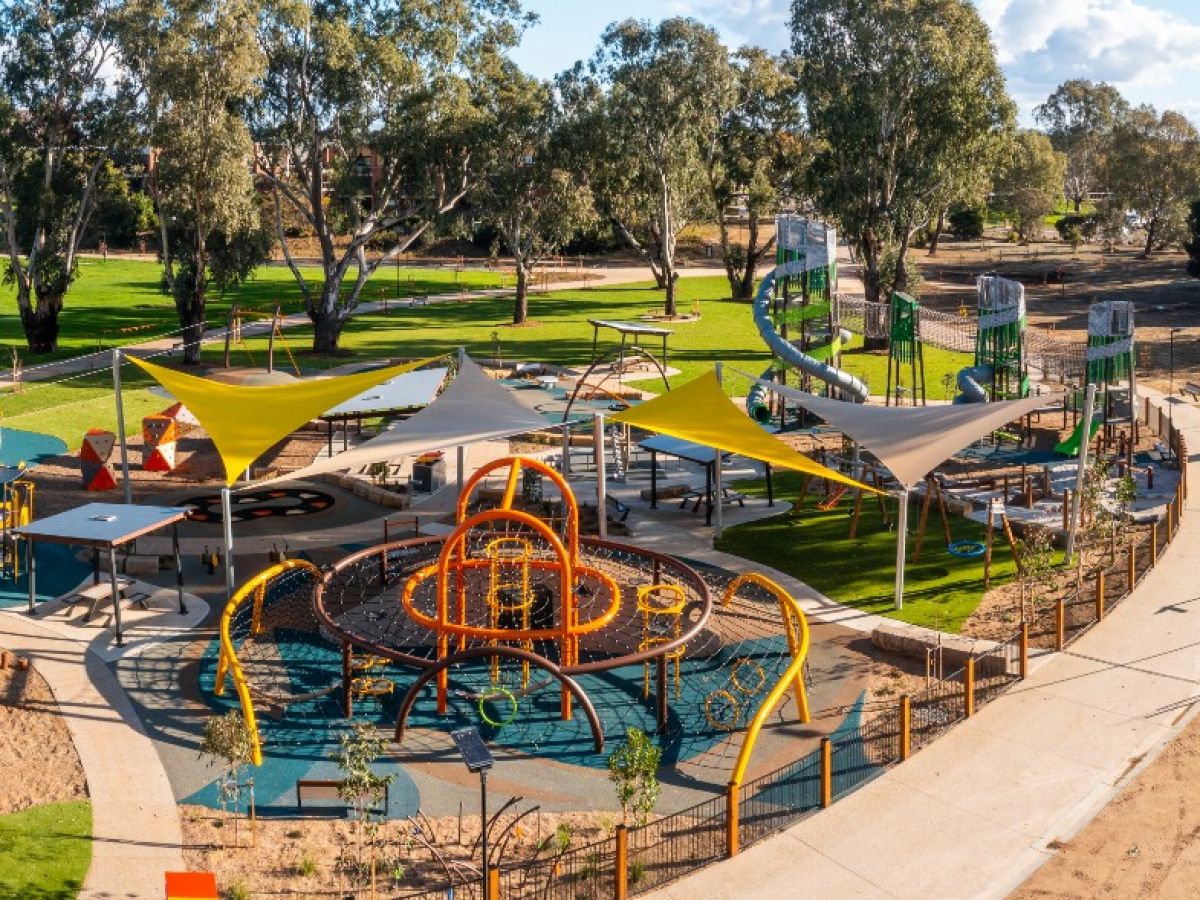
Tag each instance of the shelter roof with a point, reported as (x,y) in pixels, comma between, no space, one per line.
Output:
(102,524)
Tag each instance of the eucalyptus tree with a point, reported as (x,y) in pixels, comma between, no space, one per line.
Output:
(1030,182)
(65,107)
(754,159)
(897,92)
(1152,168)
(529,193)
(370,126)
(654,102)
(1079,118)
(199,64)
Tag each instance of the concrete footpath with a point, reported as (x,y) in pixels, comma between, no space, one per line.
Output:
(974,814)
(136,835)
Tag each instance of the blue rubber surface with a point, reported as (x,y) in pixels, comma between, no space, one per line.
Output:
(58,571)
(29,447)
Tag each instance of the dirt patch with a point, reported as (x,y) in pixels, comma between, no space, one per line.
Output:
(1146,843)
(40,762)
(300,856)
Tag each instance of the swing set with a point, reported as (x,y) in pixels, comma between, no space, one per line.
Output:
(233,334)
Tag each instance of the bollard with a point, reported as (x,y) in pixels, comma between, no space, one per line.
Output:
(1100,594)
(731,819)
(826,773)
(621,885)
(969,687)
(1023,643)
(905,728)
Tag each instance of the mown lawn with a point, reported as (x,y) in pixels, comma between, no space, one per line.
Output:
(120,301)
(941,590)
(45,851)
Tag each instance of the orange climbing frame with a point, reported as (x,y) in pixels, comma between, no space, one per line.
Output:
(795,627)
(454,563)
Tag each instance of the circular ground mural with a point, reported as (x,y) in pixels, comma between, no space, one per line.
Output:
(245,507)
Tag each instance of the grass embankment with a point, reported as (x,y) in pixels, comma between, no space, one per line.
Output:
(941,590)
(45,851)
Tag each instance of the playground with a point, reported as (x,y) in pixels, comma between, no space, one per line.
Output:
(772,574)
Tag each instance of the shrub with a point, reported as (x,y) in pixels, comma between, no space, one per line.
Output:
(966,223)
(1085,226)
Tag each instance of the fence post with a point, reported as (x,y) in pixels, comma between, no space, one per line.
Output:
(621,879)
(1024,646)
(731,819)
(1131,564)
(1100,595)
(969,687)
(1060,623)
(1154,543)
(905,728)
(493,884)
(1171,519)
(826,773)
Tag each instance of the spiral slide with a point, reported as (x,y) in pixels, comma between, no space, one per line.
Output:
(810,363)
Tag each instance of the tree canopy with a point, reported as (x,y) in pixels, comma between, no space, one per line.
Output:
(897,92)
(1079,118)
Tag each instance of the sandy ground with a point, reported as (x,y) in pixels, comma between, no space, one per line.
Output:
(1146,843)
(40,763)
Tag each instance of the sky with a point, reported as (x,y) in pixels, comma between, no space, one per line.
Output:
(1150,49)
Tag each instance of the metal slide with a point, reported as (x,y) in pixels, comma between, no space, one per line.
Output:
(851,387)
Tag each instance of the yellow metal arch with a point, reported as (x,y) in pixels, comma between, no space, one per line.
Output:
(795,626)
(227,661)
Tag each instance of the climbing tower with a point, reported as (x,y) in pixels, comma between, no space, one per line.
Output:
(1110,361)
(1000,342)
(905,349)
(806,309)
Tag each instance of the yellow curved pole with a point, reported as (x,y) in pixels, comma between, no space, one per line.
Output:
(794,620)
(227,662)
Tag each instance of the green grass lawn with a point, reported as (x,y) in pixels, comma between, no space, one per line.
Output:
(941,590)
(111,297)
(45,851)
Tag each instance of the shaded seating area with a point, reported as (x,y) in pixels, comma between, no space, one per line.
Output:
(104,527)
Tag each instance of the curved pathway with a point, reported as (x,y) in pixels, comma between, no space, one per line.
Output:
(136,835)
(976,812)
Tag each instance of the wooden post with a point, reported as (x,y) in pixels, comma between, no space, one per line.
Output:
(1100,594)
(905,727)
(826,773)
(1023,644)
(1131,565)
(731,819)
(1060,624)
(621,881)
(493,884)
(969,687)
(987,545)
(1154,543)
(1170,520)
(924,518)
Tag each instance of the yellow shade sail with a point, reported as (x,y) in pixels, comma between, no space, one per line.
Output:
(700,412)
(244,421)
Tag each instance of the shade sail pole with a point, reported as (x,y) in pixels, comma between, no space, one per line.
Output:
(116,375)
(227,524)
(901,548)
(461,450)
(1089,403)
(601,478)
(718,493)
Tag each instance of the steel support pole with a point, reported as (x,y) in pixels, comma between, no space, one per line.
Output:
(601,478)
(1089,403)
(901,549)
(227,526)
(116,375)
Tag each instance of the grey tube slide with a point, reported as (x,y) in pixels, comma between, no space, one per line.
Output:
(793,356)
(971,381)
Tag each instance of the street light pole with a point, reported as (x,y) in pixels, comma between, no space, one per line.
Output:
(1171,388)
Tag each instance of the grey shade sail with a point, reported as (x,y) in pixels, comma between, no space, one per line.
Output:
(407,391)
(911,441)
(102,524)
(473,408)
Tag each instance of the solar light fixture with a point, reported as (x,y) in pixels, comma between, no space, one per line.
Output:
(478,758)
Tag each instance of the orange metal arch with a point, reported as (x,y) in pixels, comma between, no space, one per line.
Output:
(514,464)
(796,628)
